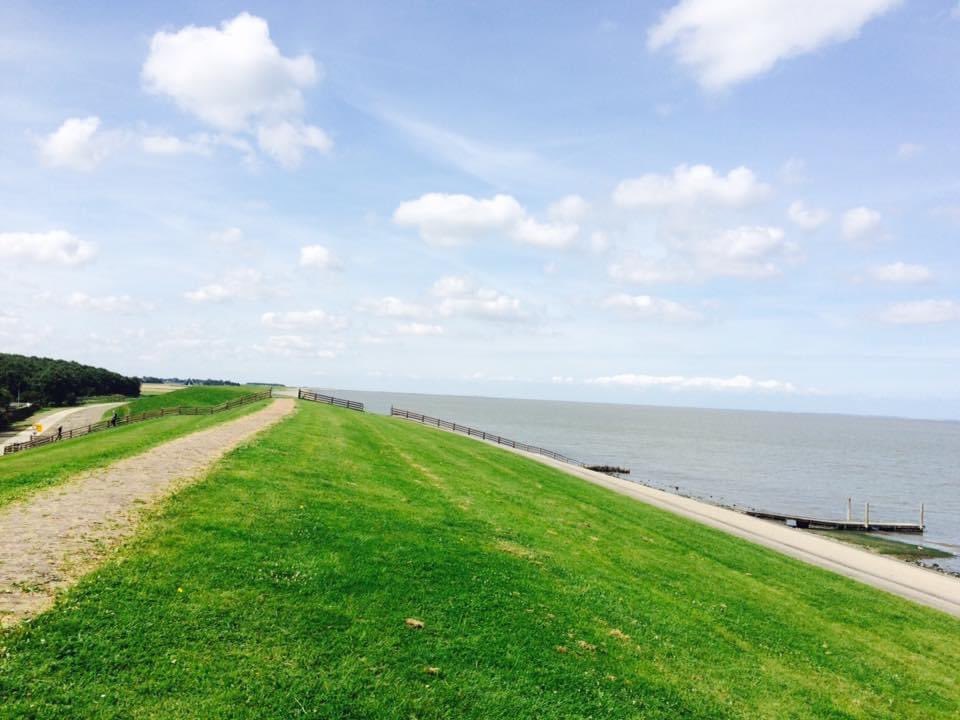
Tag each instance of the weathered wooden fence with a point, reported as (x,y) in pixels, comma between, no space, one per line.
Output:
(330,400)
(483,435)
(139,417)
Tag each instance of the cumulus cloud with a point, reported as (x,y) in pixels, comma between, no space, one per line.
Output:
(285,142)
(390,306)
(459,296)
(303,319)
(737,383)
(568,209)
(419,329)
(690,185)
(922,312)
(56,247)
(646,307)
(243,284)
(807,218)
(79,144)
(727,43)
(454,219)
(123,304)
(317,256)
(227,236)
(235,79)
(163,144)
(901,273)
(748,251)
(860,223)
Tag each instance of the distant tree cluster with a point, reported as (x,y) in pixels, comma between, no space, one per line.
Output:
(46,381)
(186,381)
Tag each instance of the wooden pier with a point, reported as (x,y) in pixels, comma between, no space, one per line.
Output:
(864,525)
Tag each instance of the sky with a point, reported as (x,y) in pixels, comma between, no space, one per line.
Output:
(720,203)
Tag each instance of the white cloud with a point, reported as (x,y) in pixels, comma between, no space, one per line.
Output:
(646,307)
(909,150)
(445,219)
(737,383)
(79,144)
(562,380)
(162,144)
(454,219)
(419,329)
(568,209)
(729,42)
(459,296)
(901,273)
(317,256)
(690,185)
(390,306)
(107,303)
(860,223)
(922,312)
(599,242)
(807,218)
(548,235)
(235,79)
(243,284)
(56,247)
(751,252)
(286,141)
(303,319)
(296,346)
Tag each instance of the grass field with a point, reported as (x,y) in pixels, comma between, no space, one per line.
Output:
(885,546)
(23,473)
(194,396)
(282,586)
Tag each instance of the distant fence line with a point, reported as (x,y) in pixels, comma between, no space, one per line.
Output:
(483,435)
(139,417)
(330,400)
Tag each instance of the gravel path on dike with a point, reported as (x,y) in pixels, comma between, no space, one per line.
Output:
(51,539)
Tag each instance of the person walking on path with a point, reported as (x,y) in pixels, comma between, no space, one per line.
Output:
(60,433)
(113,420)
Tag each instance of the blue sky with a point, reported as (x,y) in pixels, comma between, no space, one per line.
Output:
(744,204)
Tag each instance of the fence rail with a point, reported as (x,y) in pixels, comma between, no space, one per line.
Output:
(329,400)
(139,417)
(483,435)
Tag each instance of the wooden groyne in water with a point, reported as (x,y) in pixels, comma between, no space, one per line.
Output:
(865,525)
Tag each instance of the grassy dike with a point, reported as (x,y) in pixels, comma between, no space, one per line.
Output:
(25,472)
(194,396)
(280,586)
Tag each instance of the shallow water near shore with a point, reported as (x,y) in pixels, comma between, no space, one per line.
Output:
(790,462)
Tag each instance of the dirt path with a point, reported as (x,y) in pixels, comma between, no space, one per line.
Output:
(49,540)
(68,419)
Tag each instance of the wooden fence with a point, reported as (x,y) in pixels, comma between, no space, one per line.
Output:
(330,400)
(473,432)
(139,417)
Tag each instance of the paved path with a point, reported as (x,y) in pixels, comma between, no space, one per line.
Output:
(919,584)
(50,539)
(67,418)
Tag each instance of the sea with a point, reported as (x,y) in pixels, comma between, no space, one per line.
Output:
(801,463)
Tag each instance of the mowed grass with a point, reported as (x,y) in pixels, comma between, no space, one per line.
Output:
(25,472)
(194,396)
(280,586)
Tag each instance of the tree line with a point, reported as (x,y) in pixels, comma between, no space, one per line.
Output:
(46,381)
(186,381)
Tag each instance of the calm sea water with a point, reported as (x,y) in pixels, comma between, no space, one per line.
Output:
(801,463)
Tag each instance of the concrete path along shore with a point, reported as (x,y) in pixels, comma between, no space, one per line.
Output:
(50,539)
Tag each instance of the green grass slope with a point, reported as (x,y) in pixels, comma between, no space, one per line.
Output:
(25,472)
(194,396)
(280,586)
